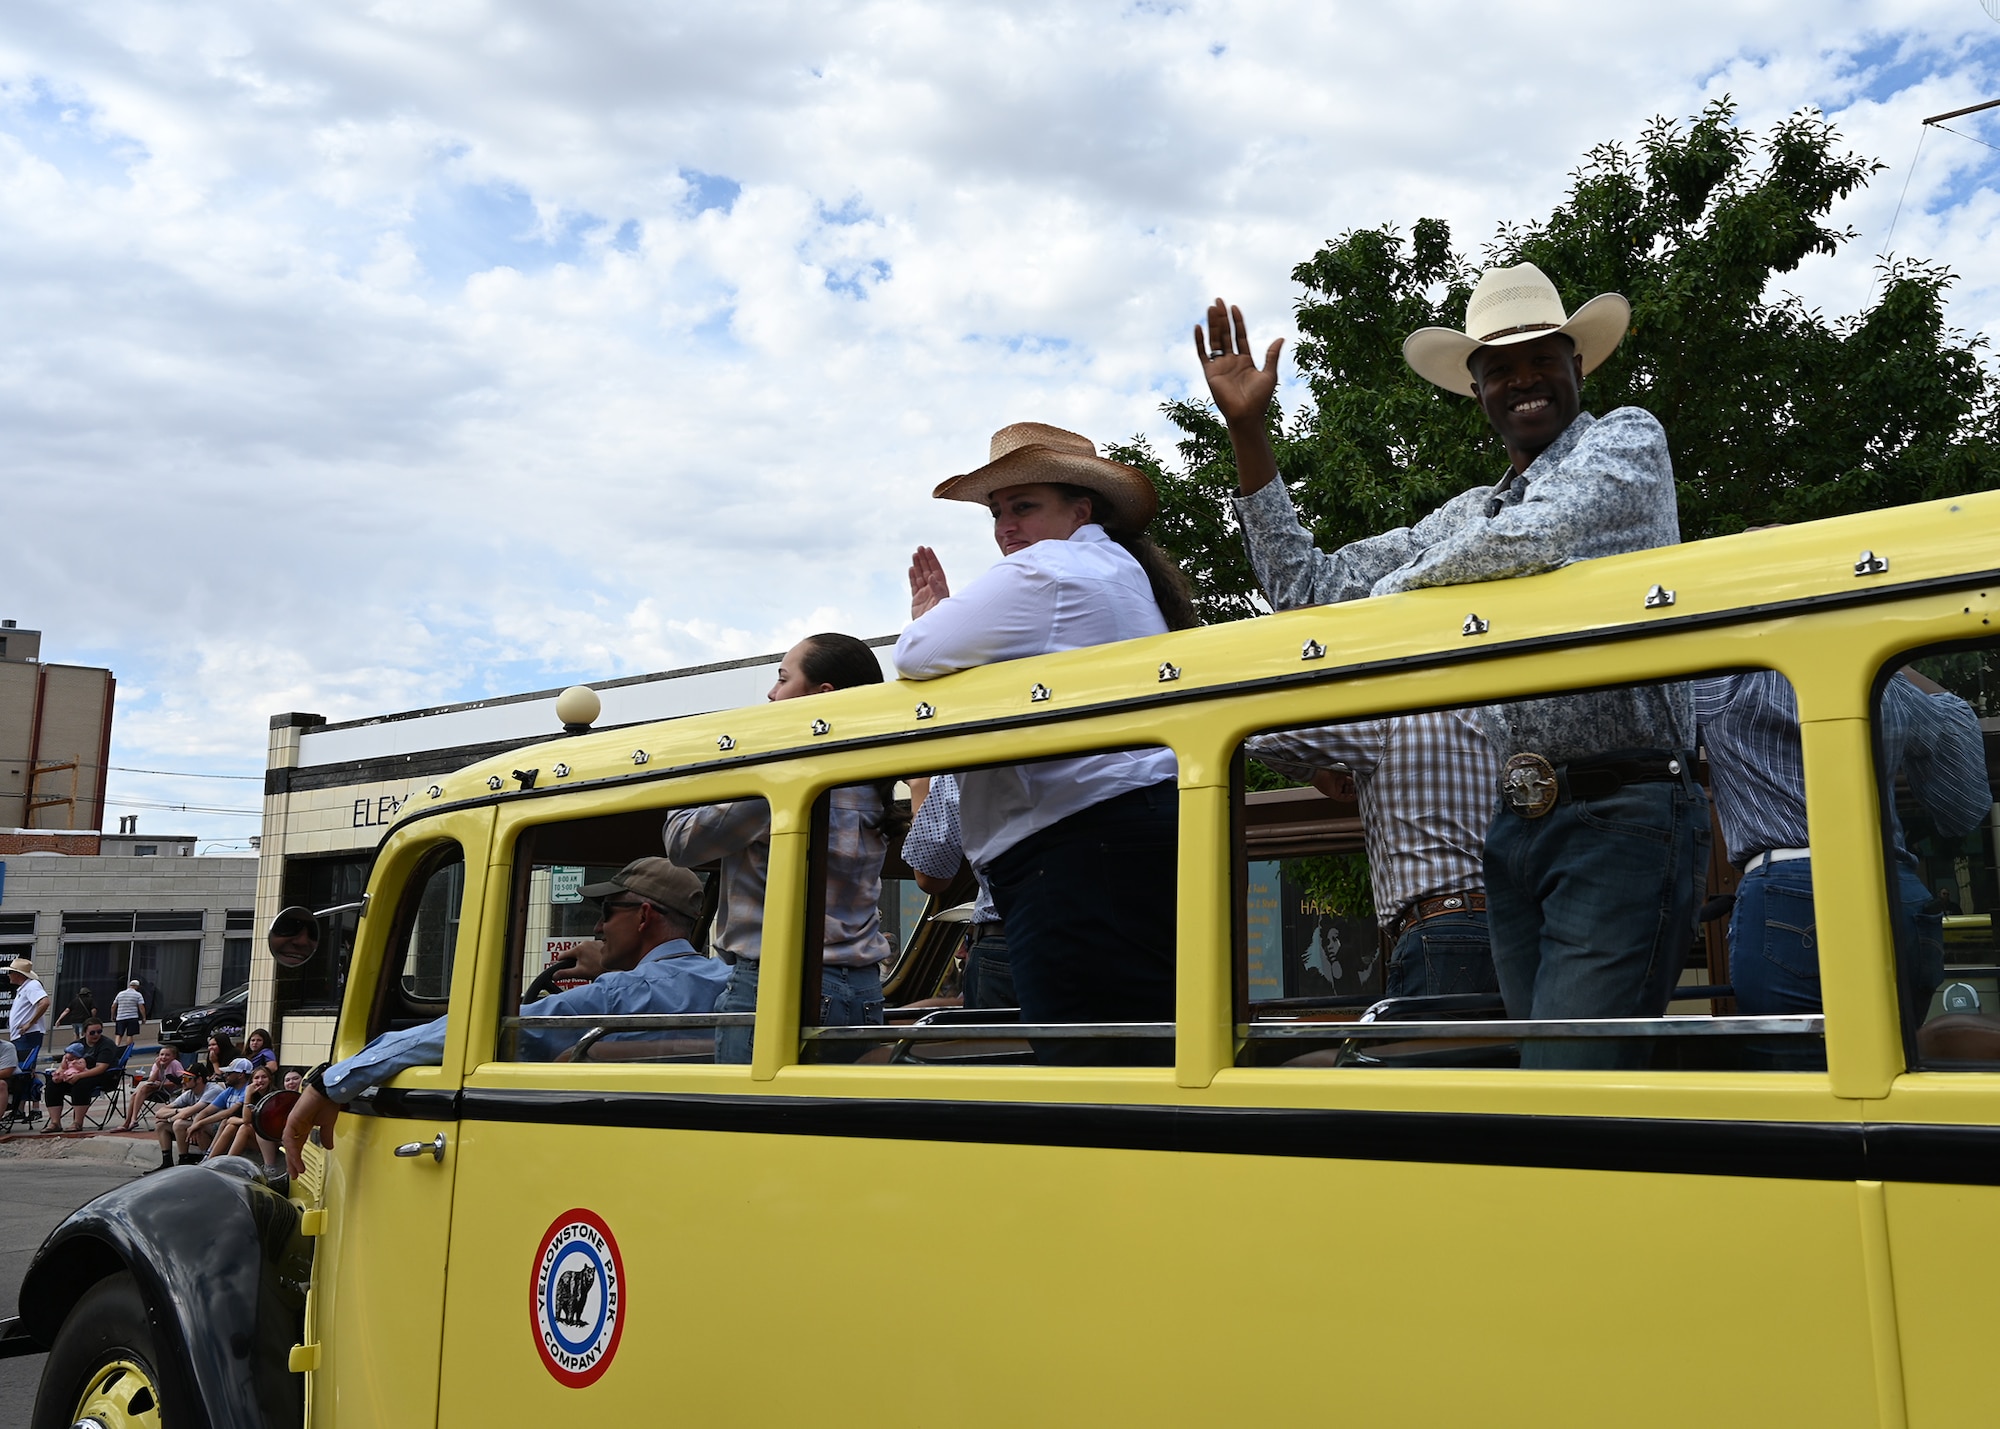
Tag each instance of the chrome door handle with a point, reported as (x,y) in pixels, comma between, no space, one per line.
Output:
(435,1146)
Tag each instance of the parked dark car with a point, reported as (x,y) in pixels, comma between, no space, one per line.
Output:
(192,1027)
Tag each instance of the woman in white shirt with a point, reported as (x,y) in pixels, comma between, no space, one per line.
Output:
(1079,853)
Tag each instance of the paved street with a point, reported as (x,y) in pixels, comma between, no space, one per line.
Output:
(35,1194)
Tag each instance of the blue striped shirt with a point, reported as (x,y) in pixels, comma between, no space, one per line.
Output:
(1750,726)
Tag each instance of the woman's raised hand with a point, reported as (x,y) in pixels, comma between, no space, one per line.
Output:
(927,583)
(1242,390)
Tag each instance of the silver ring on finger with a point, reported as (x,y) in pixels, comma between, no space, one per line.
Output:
(1217,355)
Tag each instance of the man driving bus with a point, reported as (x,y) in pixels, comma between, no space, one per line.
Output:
(643,963)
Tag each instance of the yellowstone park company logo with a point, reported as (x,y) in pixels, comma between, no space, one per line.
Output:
(577,1298)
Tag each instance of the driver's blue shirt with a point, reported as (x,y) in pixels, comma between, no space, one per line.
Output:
(673,977)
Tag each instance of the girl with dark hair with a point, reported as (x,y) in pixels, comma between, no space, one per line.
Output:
(1079,854)
(738,836)
(257,1047)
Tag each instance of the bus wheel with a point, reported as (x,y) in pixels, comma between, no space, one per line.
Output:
(102,1369)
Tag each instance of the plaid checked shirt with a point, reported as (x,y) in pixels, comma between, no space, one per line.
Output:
(738,836)
(1428,783)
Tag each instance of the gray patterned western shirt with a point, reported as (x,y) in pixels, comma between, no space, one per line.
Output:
(1600,489)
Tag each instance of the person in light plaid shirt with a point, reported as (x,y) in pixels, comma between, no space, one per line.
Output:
(738,836)
(1426,786)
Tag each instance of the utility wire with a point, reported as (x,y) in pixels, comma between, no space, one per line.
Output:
(127,769)
(184,808)
(1963,135)
(1908,174)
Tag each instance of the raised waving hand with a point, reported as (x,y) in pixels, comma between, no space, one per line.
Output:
(1242,390)
(927,583)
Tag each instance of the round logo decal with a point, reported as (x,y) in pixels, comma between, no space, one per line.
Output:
(577,1298)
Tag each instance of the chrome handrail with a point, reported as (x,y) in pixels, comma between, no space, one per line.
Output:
(981,1031)
(636,1021)
(1809,1024)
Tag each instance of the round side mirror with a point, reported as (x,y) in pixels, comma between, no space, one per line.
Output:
(294,937)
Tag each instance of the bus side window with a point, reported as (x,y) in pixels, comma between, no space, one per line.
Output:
(1426,871)
(1937,721)
(423,944)
(1038,893)
(643,916)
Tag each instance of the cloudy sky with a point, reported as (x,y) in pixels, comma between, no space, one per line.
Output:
(360,357)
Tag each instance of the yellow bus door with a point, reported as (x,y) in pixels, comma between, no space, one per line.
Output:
(379,1278)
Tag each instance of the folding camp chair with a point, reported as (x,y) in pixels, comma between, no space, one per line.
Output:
(24,1095)
(97,1116)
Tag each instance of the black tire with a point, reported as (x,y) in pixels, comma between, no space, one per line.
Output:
(108,1324)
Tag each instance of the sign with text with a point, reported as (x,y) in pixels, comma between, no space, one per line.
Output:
(565,884)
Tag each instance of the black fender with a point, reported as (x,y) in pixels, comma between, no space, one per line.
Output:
(220,1259)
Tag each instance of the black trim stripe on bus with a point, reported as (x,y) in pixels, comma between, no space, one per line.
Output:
(1807,1151)
(1735,615)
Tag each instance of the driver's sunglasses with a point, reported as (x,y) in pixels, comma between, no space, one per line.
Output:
(292,927)
(610,906)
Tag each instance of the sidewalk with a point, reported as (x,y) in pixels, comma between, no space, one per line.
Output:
(136,1149)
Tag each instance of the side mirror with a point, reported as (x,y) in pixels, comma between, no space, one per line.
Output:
(294,937)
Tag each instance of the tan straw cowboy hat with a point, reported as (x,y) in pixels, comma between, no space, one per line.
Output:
(1031,452)
(1510,305)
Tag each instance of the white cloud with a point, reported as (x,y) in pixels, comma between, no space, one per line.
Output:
(368,356)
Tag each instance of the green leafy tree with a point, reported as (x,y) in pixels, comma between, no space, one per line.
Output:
(1774,412)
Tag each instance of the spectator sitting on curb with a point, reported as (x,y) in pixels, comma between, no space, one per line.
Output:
(197,1093)
(88,1071)
(161,1081)
(193,1134)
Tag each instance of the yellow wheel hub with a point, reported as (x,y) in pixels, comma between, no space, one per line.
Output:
(121,1395)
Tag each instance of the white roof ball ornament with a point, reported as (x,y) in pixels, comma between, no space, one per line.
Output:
(578,708)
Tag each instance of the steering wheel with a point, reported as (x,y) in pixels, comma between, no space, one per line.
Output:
(545,980)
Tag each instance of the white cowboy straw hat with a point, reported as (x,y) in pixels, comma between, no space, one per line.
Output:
(1510,305)
(1031,452)
(21,966)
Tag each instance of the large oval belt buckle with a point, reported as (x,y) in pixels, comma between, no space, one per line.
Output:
(1528,784)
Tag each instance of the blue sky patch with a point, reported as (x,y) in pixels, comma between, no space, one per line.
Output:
(851,211)
(1028,343)
(855,282)
(707,191)
(470,228)
(62,134)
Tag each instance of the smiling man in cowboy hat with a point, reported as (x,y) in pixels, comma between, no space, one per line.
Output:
(1596,863)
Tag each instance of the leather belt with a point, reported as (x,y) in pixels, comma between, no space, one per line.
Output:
(1531,786)
(1774,855)
(1424,909)
(980,932)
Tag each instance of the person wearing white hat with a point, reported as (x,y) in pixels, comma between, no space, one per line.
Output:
(1079,853)
(1596,861)
(28,1013)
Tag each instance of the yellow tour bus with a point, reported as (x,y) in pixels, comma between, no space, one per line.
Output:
(1320,1206)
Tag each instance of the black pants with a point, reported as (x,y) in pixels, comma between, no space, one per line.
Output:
(1089,908)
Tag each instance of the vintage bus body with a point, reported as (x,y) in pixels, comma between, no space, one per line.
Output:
(1212,1241)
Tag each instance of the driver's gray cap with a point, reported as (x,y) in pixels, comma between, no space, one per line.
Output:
(657,880)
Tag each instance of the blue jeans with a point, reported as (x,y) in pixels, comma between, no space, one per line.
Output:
(1089,908)
(1592,912)
(1446,954)
(1774,955)
(989,975)
(848,997)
